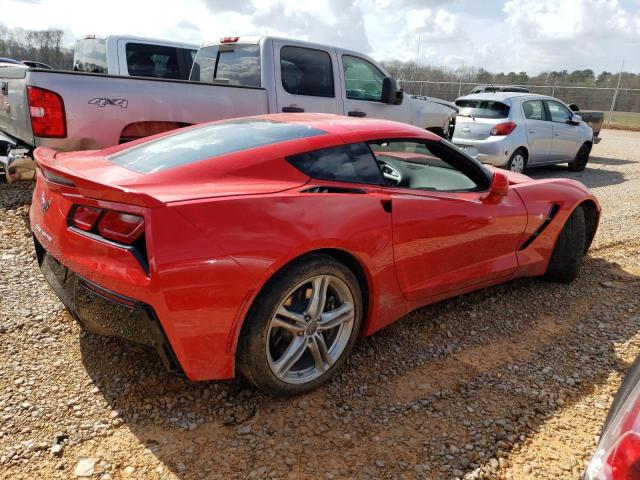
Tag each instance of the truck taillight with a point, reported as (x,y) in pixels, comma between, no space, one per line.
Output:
(47,113)
(502,129)
(229,39)
(112,225)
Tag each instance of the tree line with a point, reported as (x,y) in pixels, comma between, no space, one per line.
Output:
(576,78)
(36,45)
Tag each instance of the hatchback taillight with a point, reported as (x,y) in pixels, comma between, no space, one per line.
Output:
(502,129)
(617,455)
(112,225)
(47,113)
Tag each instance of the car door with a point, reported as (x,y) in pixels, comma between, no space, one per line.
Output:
(539,131)
(564,144)
(361,89)
(449,232)
(305,79)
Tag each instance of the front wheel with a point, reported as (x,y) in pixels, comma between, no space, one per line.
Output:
(566,258)
(582,158)
(302,326)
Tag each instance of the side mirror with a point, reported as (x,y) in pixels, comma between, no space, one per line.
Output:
(576,119)
(391,91)
(499,184)
(574,107)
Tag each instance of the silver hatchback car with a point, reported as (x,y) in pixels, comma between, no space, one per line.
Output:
(520,130)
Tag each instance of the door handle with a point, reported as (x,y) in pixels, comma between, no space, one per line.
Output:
(532,132)
(4,88)
(555,134)
(292,109)
(357,113)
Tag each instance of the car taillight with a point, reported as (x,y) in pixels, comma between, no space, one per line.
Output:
(617,456)
(120,227)
(84,217)
(47,113)
(112,225)
(504,128)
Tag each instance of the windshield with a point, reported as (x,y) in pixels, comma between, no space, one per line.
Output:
(208,141)
(231,64)
(482,108)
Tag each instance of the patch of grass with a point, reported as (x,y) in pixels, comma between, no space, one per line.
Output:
(623,120)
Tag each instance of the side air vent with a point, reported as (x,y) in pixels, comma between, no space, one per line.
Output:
(552,213)
(333,189)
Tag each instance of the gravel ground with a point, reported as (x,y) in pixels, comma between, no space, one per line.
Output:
(509,382)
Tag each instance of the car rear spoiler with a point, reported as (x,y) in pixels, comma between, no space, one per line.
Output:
(63,179)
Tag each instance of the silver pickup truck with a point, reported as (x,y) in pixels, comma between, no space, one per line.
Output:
(234,77)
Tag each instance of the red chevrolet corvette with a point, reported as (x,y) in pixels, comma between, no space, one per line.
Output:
(265,245)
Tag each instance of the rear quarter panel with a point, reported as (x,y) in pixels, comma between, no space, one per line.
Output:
(264,233)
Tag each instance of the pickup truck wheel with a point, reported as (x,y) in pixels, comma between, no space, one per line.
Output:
(569,249)
(518,161)
(301,327)
(438,131)
(582,158)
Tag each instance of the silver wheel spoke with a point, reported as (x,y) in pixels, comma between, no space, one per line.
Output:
(292,321)
(342,314)
(318,296)
(291,355)
(321,356)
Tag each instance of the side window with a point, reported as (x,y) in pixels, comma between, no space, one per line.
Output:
(534,110)
(362,80)
(306,71)
(144,60)
(346,163)
(428,166)
(188,56)
(559,113)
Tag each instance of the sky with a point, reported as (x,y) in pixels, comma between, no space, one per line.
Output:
(498,35)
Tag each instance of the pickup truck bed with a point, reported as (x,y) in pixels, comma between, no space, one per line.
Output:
(100,107)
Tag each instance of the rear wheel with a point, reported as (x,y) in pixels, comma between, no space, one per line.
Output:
(582,158)
(567,255)
(518,161)
(302,327)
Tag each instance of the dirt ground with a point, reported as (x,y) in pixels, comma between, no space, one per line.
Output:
(511,382)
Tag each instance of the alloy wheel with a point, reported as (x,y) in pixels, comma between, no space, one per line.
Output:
(517,163)
(310,329)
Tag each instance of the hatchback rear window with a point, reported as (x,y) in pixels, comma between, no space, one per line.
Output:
(482,108)
(208,141)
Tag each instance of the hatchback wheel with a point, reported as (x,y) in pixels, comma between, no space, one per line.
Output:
(518,161)
(302,327)
(582,158)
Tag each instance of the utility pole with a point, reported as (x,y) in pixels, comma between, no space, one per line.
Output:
(615,96)
(415,72)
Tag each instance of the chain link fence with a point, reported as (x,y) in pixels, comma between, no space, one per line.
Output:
(621,105)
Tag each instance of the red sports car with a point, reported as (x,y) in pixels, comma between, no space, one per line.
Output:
(265,245)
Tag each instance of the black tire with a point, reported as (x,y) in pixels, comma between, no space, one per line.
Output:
(582,158)
(438,131)
(569,249)
(252,354)
(522,153)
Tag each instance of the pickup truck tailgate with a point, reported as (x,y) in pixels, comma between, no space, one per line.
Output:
(14,109)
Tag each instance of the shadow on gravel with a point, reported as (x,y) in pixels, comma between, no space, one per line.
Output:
(590,177)
(450,389)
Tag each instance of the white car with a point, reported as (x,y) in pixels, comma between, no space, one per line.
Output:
(519,130)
